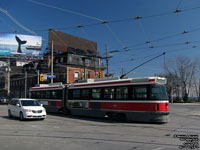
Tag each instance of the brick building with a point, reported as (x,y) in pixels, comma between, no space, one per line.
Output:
(74,58)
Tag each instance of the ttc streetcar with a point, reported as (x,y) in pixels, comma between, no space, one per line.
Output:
(133,99)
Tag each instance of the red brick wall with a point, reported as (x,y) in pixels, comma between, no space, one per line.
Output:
(71,71)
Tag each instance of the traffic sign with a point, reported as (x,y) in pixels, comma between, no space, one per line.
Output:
(51,76)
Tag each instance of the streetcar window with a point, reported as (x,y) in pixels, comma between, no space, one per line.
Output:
(85,93)
(48,94)
(38,95)
(96,93)
(42,94)
(158,92)
(76,93)
(33,94)
(140,92)
(109,93)
(122,93)
(57,94)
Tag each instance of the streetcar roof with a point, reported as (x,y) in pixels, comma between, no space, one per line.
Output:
(103,82)
(54,86)
(117,82)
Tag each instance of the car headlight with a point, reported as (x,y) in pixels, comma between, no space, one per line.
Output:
(27,110)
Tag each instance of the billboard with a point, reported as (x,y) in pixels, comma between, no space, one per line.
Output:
(18,44)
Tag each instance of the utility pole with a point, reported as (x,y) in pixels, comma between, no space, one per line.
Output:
(94,66)
(8,69)
(107,60)
(25,82)
(38,77)
(52,61)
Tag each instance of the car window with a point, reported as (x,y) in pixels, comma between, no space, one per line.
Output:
(13,102)
(30,103)
(17,102)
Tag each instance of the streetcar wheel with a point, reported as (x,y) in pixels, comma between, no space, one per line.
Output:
(121,117)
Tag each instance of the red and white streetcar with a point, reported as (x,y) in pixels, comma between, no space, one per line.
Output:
(133,99)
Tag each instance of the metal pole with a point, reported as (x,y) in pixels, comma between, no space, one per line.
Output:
(84,70)
(25,82)
(52,62)
(94,66)
(107,60)
(8,94)
(38,79)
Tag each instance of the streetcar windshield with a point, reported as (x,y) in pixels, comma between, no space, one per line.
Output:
(158,92)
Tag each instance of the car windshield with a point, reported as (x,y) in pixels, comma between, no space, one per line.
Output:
(30,103)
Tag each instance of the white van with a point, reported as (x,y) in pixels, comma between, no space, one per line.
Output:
(26,109)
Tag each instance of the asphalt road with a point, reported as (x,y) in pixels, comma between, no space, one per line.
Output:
(74,133)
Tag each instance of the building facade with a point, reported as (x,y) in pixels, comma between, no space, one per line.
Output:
(74,59)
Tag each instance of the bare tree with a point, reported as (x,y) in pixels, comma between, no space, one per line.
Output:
(182,69)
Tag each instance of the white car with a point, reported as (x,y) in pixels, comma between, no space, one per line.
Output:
(26,109)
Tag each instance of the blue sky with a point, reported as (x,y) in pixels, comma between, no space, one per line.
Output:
(158,24)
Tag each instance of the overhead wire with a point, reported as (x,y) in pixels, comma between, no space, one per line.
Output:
(167,52)
(17,22)
(11,27)
(114,21)
(179,3)
(83,15)
(65,10)
(115,35)
(126,19)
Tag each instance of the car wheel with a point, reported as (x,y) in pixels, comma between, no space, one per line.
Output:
(9,114)
(21,116)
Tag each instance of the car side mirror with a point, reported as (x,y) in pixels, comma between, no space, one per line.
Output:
(18,105)
(41,105)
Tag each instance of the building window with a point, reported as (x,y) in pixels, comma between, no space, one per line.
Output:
(76,75)
(83,75)
(87,62)
(89,74)
(61,60)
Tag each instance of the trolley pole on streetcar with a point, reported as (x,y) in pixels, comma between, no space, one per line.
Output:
(142,64)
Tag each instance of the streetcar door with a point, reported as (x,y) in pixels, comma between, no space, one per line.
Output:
(96,105)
